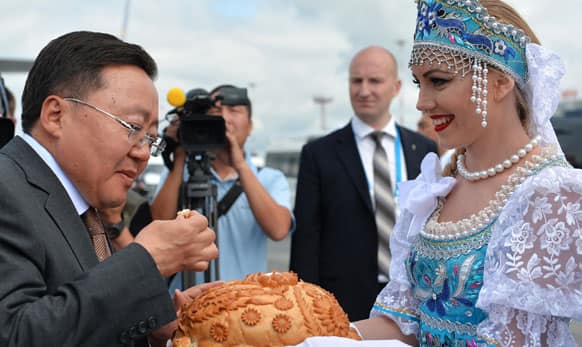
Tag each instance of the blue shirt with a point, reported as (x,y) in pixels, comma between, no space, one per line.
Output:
(242,243)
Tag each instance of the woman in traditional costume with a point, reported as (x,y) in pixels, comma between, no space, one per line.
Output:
(489,253)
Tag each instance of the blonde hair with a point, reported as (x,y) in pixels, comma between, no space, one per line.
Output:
(507,14)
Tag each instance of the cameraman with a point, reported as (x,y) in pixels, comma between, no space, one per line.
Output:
(262,209)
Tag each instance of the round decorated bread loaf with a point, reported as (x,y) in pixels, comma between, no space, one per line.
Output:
(273,309)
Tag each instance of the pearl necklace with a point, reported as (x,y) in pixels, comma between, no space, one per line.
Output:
(499,168)
(447,231)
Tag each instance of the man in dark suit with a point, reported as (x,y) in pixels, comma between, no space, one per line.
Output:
(90,113)
(335,243)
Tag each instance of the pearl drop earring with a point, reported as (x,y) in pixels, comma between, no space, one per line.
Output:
(479,89)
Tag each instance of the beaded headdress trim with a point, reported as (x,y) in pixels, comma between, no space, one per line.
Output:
(465,29)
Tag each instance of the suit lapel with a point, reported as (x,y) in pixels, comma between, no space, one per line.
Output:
(72,229)
(58,205)
(348,154)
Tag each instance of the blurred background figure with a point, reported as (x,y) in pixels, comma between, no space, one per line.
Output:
(7,117)
(123,223)
(11,105)
(345,202)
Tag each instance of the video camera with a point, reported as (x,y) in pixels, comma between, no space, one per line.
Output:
(198,130)
(198,133)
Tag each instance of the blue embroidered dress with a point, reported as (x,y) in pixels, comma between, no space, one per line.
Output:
(510,275)
(447,277)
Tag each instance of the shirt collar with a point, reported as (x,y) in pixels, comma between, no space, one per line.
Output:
(363,130)
(78,201)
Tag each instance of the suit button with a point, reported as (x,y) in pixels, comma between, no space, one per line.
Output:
(152,322)
(142,327)
(133,332)
(124,338)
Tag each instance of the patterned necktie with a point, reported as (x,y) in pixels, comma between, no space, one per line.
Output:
(97,233)
(385,205)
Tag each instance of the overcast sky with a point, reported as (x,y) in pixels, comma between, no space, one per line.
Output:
(286,52)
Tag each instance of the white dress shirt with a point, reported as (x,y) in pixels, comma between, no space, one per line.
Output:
(366,146)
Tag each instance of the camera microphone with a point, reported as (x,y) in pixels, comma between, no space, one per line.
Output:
(176,97)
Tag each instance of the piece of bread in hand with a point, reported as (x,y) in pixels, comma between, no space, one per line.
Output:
(186,213)
(264,309)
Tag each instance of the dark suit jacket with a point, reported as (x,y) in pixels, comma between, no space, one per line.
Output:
(53,290)
(335,242)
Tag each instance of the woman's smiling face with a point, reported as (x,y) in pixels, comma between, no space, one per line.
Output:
(445,98)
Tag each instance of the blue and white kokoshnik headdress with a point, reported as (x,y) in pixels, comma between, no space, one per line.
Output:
(462,35)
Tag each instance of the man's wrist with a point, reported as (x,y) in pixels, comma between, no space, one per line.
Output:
(240,167)
(114,230)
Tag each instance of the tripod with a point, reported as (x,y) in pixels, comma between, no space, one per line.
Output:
(199,194)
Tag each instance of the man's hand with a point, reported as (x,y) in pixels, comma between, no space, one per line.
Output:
(179,153)
(179,244)
(181,298)
(174,155)
(171,130)
(236,153)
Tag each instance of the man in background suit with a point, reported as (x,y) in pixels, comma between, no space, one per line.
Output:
(335,243)
(89,118)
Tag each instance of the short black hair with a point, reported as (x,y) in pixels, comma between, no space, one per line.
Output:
(71,65)
(217,89)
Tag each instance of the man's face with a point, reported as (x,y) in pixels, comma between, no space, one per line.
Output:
(237,116)
(94,150)
(373,85)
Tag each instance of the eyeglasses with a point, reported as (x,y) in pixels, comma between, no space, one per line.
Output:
(156,144)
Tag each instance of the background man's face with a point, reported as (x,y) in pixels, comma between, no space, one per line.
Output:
(373,85)
(238,117)
(235,115)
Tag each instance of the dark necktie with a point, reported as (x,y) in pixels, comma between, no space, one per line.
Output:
(97,233)
(385,204)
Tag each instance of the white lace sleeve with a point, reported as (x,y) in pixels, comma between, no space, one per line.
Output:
(396,299)
(533,270)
